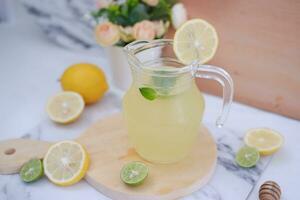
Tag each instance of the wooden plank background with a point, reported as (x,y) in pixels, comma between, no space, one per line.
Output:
(259,47)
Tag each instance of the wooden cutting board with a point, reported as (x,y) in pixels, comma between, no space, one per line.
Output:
(259,46)
(107,143)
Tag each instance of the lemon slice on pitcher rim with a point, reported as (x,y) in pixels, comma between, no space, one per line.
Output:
(195,40)
(66,163)
(266,141)
(65,107)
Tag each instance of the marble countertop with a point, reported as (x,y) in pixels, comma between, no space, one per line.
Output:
(29,68)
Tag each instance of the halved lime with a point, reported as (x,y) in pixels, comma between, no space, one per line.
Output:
(247,157)
(32,170)
(134,173)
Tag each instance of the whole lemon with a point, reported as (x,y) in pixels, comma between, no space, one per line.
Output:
(86,79)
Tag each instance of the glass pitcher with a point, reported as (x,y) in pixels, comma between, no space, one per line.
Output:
(163,128)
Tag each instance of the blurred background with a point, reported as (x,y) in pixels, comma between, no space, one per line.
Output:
(32,54)
(259,44)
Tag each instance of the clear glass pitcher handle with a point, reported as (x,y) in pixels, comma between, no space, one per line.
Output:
(220,75)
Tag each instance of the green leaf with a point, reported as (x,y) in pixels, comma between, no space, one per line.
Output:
(121,43)
(100,13)
(138,13)
(171,2)
(148,93)
(161,12)
(124,9)
(132,3)
(132,11)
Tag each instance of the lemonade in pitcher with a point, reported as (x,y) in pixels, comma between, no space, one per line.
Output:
(163,130)
(163,108)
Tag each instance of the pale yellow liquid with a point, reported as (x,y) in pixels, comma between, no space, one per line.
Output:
(165,129)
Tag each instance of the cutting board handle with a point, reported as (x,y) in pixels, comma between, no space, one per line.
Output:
(15,152)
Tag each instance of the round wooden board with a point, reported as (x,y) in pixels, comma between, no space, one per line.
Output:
(107,143)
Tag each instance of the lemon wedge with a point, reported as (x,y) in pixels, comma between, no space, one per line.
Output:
(66,163)
(195,40)
(265,140)
(65,107)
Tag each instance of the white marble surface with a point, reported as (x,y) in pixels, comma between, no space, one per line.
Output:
(29,68)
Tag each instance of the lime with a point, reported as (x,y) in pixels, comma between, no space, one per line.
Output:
(247,157)
(32,170)
(134,173)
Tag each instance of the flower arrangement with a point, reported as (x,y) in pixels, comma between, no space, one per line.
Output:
(121,22)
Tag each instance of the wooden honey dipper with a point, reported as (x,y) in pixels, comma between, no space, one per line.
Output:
(270,190)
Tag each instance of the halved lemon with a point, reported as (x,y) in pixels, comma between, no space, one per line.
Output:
(66,163)
(266,141)
(195,40)
(65,107)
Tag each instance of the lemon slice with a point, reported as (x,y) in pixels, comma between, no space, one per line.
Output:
(66,163)
(195,40)
(65,107)
(265,140)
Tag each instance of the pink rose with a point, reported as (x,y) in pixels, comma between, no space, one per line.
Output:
(151,2)
(144,30)
(107,34)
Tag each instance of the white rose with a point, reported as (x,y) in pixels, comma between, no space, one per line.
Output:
(179,15)
(161,28)
(107,34)
(126,33)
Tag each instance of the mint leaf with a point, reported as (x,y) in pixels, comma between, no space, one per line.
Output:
(148,93)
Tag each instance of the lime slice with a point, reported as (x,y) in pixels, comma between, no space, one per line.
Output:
(195,40)
(265,140)
(134,173)
(247,157)
(32,170)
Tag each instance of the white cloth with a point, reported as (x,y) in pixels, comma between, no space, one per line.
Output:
(64,21)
